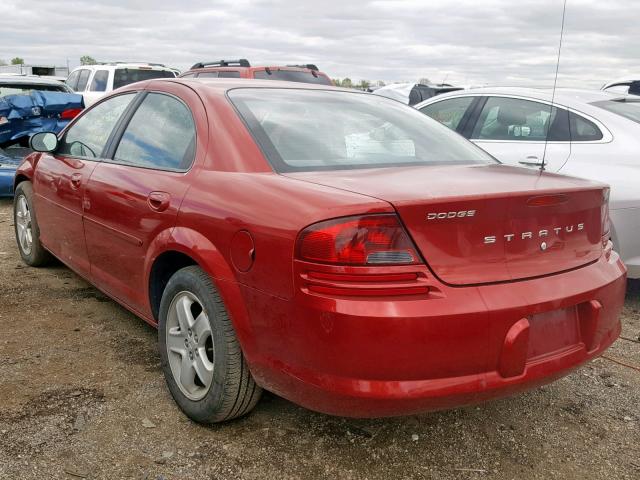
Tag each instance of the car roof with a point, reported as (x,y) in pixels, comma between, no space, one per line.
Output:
(567,96)
(29,80)
(114,65)
(222,85)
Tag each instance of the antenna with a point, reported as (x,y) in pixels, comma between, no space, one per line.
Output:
(555,84)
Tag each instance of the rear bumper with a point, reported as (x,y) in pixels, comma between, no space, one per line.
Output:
(373,358)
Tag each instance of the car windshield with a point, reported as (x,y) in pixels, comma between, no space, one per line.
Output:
(291,76)
(307,130)
(625,107)
(125,76)
(26,88)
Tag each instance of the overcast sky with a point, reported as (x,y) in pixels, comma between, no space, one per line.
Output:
(462,41)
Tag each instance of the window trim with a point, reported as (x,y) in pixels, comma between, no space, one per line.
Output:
(62,135)
(118,132)
(607,136)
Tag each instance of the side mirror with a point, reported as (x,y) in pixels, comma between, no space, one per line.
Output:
(44,142)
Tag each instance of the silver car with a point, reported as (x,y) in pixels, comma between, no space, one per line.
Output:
(591,134)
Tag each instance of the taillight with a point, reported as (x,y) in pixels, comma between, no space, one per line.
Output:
(70,113)
(359,240)
(604,214)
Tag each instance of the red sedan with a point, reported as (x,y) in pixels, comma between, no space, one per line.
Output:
(339,249)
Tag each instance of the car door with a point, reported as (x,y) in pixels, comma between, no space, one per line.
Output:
(133,197)
(61,177)
(523,132)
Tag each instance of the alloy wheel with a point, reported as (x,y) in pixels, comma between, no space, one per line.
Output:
(23,224)
(189,343)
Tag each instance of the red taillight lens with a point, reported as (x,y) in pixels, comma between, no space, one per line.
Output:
(361,240)
(70,113)
(604,214)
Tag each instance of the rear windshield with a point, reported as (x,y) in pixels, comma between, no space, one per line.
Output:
(25,88)
(291,76)
(626,108)
(307,130)
(125,76)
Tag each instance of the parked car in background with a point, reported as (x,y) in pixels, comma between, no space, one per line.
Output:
(28,105)
(588,134)
(413,93)
(94,81)
(629,84)
(338,248)
(308,73)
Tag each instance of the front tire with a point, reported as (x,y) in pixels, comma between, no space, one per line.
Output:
(203,364)
(26,227)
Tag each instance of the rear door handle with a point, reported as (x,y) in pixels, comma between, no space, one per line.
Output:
(531,161)
(158,201)
(76,180)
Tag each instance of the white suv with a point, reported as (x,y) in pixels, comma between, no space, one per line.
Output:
(94,81)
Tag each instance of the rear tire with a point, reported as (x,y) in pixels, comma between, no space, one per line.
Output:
(203,364)
(26,227)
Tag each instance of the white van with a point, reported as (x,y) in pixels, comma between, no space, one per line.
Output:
(94,81)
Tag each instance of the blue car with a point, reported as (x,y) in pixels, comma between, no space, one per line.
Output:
(30,105)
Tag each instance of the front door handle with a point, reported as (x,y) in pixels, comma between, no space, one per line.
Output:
(158,201)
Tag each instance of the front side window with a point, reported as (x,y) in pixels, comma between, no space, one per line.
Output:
(512,119)
(448,112)
(88,136)
(99,82)
(125,76)
(307,130)
(72,80)
(83,78)
(160,135)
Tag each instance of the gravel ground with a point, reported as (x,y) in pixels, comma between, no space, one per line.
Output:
(82,396)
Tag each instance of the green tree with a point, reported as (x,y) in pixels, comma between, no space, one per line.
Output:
(17,61)
(346,82)
(364,85)
(87,60)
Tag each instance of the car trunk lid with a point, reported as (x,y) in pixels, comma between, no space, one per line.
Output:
(485,224)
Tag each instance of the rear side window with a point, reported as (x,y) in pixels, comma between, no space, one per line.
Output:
(125,76)
(583,130)
(513,119)
(88,136)
(291,76)
(448,112)
(99,82)
(208,75)
(160,135)
(83,78)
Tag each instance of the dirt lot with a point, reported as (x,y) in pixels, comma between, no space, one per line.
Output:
(82,396)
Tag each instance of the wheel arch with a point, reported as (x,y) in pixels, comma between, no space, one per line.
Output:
(183,247)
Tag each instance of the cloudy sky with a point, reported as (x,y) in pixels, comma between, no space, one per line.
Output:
(462,41)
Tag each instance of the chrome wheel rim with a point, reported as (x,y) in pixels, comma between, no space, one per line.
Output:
(23,225)
(189,343)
